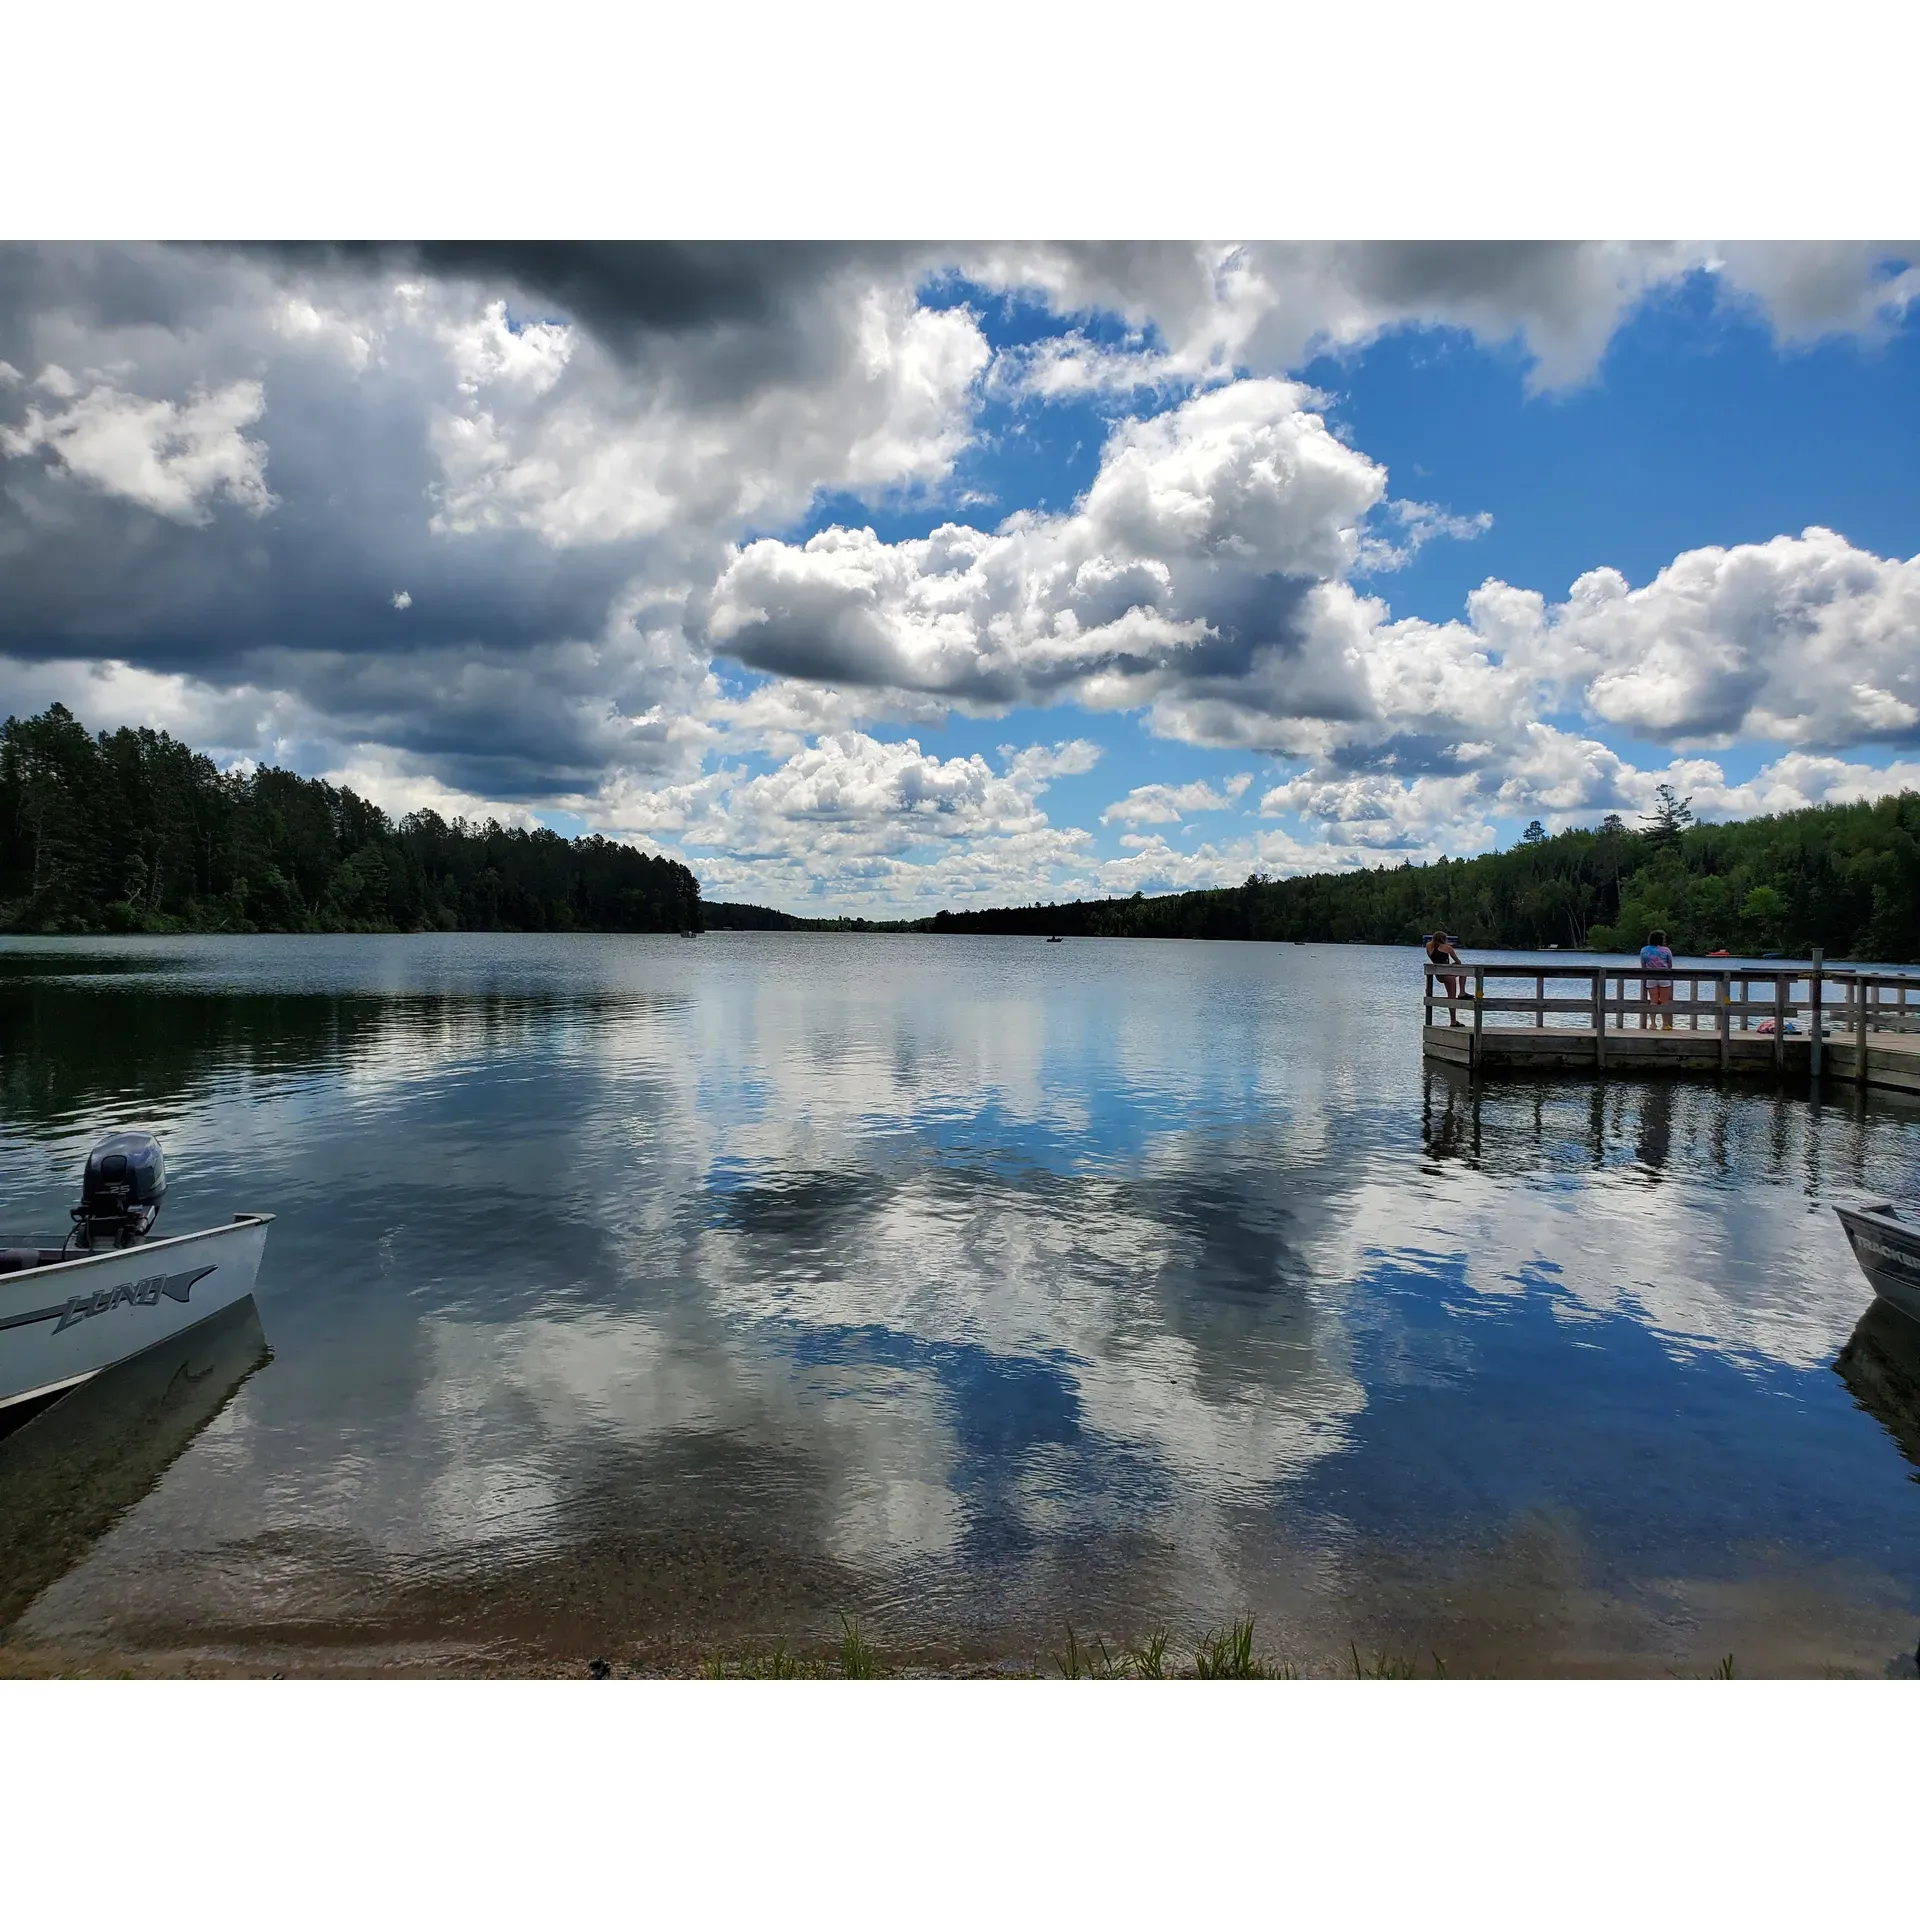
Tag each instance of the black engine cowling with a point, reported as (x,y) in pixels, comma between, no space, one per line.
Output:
(121,1191)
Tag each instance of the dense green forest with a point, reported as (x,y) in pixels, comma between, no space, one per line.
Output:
(1845,877)
(720,916)
(133,832)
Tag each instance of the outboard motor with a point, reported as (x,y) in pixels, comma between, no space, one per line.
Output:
(121,1191)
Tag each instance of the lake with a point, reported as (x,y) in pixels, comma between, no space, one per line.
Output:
(652,1300)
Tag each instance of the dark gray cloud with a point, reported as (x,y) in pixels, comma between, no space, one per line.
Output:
(105,287)
(298,598)
(621,288)
(220,464)
(405,450)
(757,309)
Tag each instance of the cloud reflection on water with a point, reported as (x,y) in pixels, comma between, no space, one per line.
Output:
(751,1277)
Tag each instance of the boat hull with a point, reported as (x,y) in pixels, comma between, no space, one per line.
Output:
(92,1455)
(1889,1254)
(61,1324)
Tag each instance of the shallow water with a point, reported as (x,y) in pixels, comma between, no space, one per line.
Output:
(641,1298)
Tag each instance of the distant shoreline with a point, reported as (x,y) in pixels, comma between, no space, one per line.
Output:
(111,833)
(793,924)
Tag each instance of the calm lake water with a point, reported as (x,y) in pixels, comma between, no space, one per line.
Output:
(641,1299)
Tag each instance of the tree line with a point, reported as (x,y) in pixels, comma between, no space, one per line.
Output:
(134,832)
(1843,877)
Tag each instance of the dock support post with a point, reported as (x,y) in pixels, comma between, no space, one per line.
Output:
(1860,1032)
(1540,993)
(1779,1023)
(1479,1001)
(1725,995)
(1599,1021)
(1429,996)
(1813,1014)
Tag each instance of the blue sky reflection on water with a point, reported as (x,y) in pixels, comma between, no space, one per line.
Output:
(644,1293)
(1482,1410)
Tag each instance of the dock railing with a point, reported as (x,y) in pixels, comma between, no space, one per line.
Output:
(1797,1002)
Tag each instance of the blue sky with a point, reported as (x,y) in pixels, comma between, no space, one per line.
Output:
(1696,429)
(878,579)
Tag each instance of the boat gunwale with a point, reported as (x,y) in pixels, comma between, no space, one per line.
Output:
(238,1221)
(1878,1213)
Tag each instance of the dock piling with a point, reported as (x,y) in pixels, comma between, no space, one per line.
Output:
(1814,1020)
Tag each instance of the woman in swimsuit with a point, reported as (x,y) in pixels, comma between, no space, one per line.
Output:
(1441,952)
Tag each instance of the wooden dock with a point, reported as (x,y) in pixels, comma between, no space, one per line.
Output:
(1842,1025)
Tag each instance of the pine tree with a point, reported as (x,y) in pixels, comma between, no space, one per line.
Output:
(1670,818)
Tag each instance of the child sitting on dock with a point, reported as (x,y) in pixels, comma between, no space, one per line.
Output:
(1656,957)
(1441,952)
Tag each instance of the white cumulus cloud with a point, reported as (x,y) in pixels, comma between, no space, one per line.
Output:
(1232,486)
(1805,639)
(1208,311)
(1156,805)
(173,457)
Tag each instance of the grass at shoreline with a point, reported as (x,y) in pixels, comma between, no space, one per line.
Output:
(1089,1660)
(1227,1653)
(1232,1652)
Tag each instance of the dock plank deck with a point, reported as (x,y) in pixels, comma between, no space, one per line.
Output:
(1555,1032)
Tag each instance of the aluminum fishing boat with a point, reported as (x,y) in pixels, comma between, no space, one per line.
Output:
(1888,1250)
(111,1290)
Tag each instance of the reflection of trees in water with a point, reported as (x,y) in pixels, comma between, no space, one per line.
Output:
(37,963)
(64,1050)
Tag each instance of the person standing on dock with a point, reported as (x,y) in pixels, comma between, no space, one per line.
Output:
(1656,957)
(1442,953)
